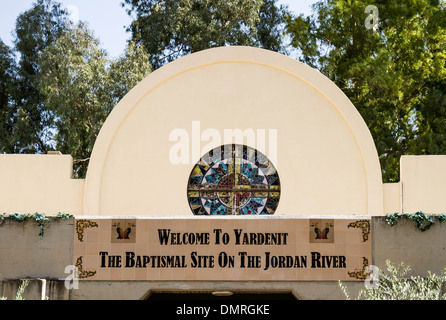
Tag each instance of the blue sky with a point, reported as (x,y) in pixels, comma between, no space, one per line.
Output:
(105,17)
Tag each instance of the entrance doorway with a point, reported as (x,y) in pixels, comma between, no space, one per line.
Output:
(221,295)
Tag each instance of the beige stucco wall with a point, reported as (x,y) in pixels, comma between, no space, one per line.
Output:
(423,184)
(39,183)
(392,197)
(43,183)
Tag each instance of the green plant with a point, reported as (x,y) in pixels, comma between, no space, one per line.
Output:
(395,285)
(20,291)
(423,221)
(40,218)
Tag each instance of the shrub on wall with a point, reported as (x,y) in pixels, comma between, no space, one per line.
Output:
(423,221)
(41,219)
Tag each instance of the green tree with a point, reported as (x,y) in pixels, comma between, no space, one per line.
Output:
(128,70)
(431,125)
(7,76)
(271,26)
(36,29)
(394,75)
(81,86)
(173,28)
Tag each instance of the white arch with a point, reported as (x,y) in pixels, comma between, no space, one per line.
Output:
(244,56)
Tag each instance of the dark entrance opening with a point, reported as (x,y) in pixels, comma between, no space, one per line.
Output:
(209,296)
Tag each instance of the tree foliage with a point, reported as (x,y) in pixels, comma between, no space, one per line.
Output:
(169,29)
(7,75)
(395,76)
(81,85)
(57,85)
(36,29)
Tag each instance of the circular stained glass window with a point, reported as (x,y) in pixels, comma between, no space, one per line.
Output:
(233,180)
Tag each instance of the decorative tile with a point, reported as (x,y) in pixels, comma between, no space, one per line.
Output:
(365,227)
(321,231)
(123,231)
(82,225)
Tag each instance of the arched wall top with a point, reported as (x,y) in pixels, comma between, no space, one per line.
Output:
(219,62)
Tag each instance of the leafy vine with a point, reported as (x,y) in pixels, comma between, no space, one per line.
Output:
(40,218)
(423,221)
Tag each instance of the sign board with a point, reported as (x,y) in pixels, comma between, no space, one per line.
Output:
(222,248)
